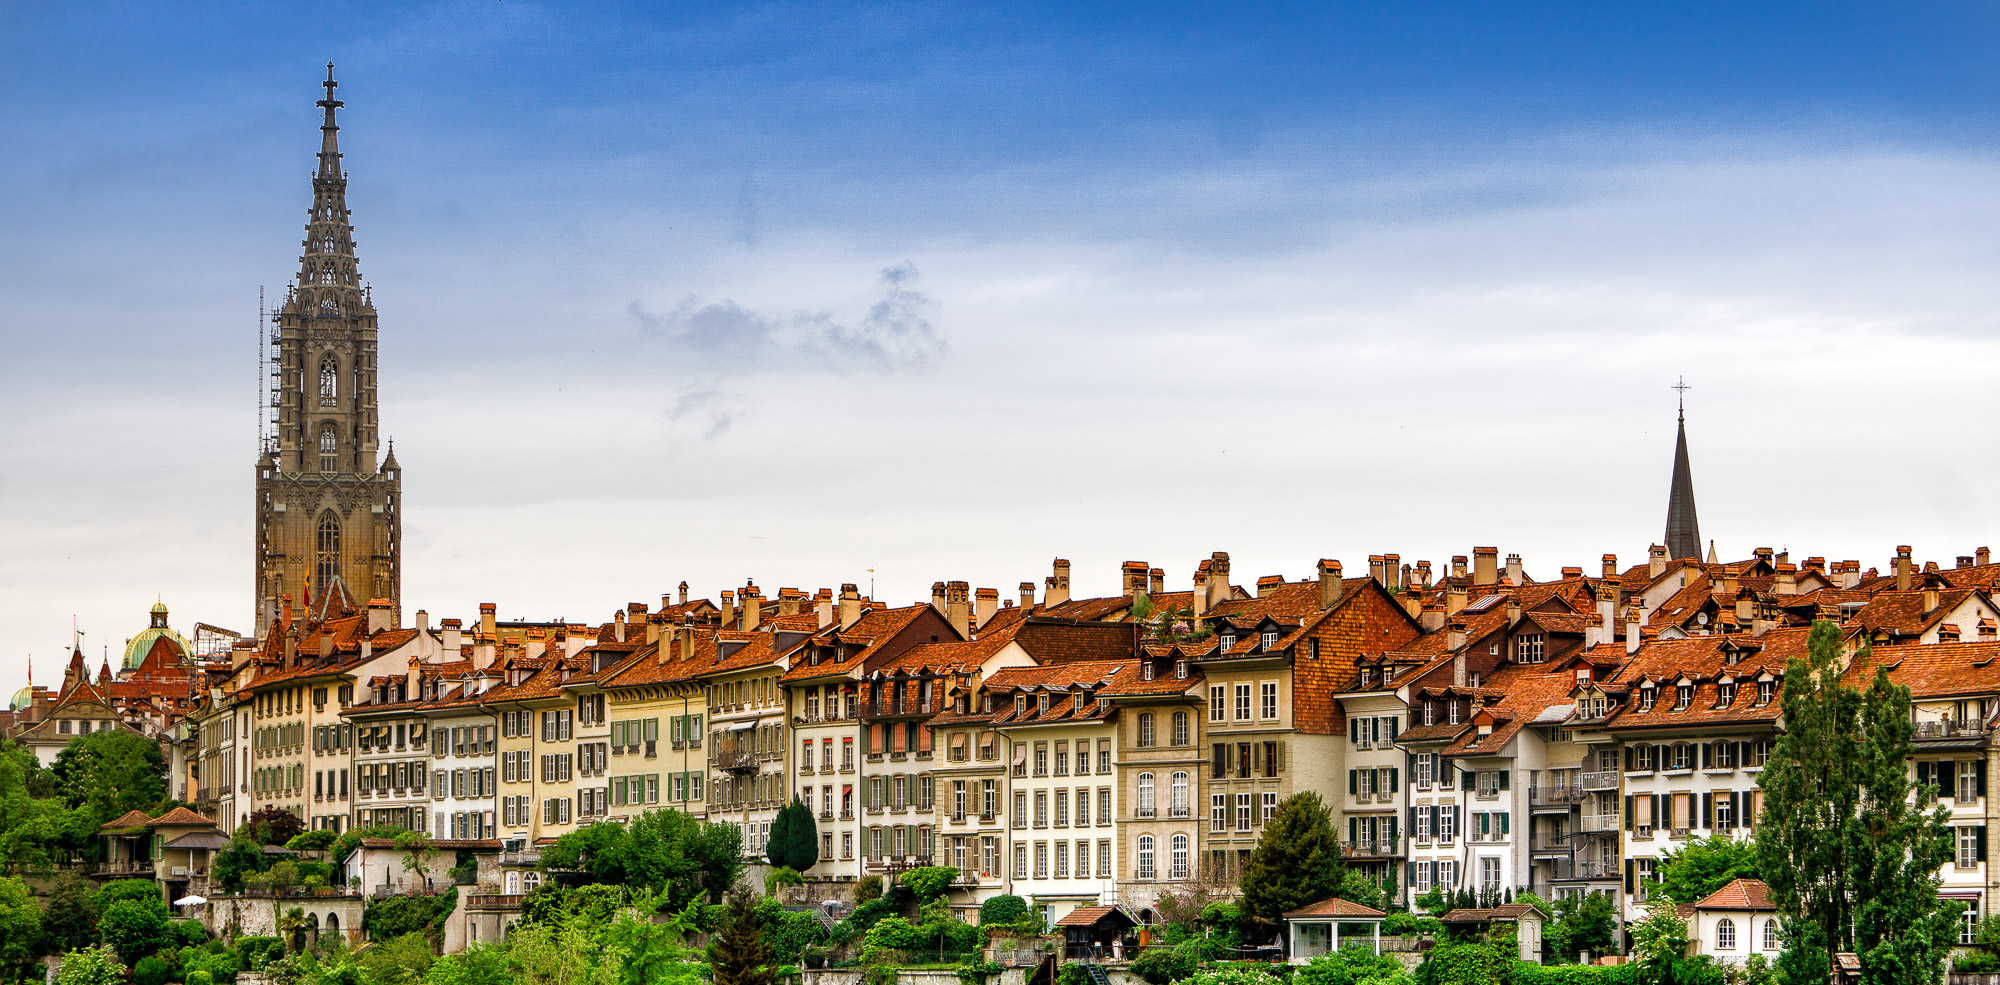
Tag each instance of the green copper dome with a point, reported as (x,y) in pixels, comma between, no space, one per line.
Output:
(138,646)
(23,698)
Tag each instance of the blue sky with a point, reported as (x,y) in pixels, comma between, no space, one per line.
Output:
(792,292)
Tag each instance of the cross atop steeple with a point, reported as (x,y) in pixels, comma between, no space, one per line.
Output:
(1680,384)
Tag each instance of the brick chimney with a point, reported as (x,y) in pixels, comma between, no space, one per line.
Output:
(1633,635)
(487,622)
(1656,560)
(1816,565)
(1847,574)
(1485,566)
(687,638)
(423,619)
(1432,618)
(1454,595)
(1413,603)
(753,608)
(1787,582)
(1593,631)
(1454,635)
(1027,591)
(451,637)
(823,607)
(728,609)
(1218,578)
(958,608)
(1392,571)
(985,603)
(1903,568)
(653,623)
(1513,609)
(618,625)
(1156,581)
(850,605)
(683,595)
(1930,596)
(1964,561)
(1514,570)
(1458,566)
(1423,575)
(1268,584)
(381,616)
(1329,583)
(790,601)
(1982,556)
(1607,606)
(1132,578)
(1766,555)
(1610,567)
(1729,583)
(1375,562)
(1199,596)
(1571,573)
(1055,591)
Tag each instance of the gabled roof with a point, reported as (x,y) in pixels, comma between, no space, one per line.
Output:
(1335,907)
(130,819)
(181,816)
(1739,894)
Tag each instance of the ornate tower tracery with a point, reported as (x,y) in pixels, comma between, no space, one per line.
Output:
(328,515)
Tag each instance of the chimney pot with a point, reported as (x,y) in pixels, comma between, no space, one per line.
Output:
(1392,570)
(1610,565)
(1514,570)
(1903,568)
(1156,581)
(1656,560)
(1572,572)
(1982,556)
(1218,578)
(1132,577)
(1458,565)
(1485,566)
(1027,591)
(1329,583)
(1056,591)
(985,602)
(1268,584)
(850,605)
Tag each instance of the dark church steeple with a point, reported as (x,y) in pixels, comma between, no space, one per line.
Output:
(1683,529)
(329,514)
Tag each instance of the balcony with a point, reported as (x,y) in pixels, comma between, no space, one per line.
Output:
(736,761)
(1607,780)
(1562,870)
(1598,823)
(1940,731)
(1378,848)
(523,856)
(1557,796)
(1550,841)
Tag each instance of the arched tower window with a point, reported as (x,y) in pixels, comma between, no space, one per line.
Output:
(326,552)
(329,448)
(329,382)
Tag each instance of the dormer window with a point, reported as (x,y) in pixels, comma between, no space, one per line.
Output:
(1180,669)
(1146,671)
(1020,705)
(987,705)
(1646,696)
(1725,694)
(1270,641)
(1430,712)
(1228,642)
(1388,674)
(1367,676)
(1766,690)
(1076,702)
(1528,648)
(1451,712)
(1042,703)
(1683,697)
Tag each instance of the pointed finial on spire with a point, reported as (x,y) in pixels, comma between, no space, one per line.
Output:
(1680,397)
(329,145)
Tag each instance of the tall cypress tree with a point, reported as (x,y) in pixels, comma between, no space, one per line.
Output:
(794,840)
(738,954)
(1852,864)
(1296,861)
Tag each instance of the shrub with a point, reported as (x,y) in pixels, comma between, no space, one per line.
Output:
(199,977)
(91,966)
(928,882)
(1349,966)
(152,970)
(190,933)
(253,953)
(137,928)
(399,915)
(1235,975)
(1163,965)
(1002,909)
(867,889)
(1975,963)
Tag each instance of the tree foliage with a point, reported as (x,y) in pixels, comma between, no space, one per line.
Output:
(1296,861)
(738,954)
(1583,922)
(21,940)
(272,826)
(1689,873)
(91,966)
(137,928)
(663,850)
(1851,862)
(794,837)
(111,773)
(1005,908)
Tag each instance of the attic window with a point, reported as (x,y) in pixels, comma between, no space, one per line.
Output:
(1528,649)
(1228,642)
(1042,703)
(1076,702)
(1388,674)
(1725,694)
(1683,697)
(1020,704)
(1146,671)
(1180,669)
(1367,676)
(1766,690)
(1270,641)
(1646,696)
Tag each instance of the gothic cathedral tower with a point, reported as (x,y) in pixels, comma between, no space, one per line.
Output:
(329,517)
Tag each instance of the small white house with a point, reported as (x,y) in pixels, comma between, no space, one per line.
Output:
(1314,930)
(1735,922)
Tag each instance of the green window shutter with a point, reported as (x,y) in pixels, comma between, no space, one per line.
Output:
(1353,830)
(1628,823)
(1503,822)
(1979,838)
(1353,786)
(1395,779)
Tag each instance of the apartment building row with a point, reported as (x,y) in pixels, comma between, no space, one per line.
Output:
(1481,730)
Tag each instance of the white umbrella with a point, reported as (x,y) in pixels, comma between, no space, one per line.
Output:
(191,900)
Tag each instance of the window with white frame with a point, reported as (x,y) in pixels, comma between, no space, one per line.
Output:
(1725,934)
(1144,869)
(1242,812)
(1217,702)
(1489,874)
(1218,812)
(1242,702)
(1968,846)
(1528,648)
(1770,935)
(1269,694)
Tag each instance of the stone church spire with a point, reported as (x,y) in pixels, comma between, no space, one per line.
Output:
(1683,529)
(329,515)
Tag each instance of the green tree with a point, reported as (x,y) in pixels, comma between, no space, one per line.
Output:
(35,827)
(273,826)
(136,928)
(738,953)
(659,850)
(418,853)
(1296,861)
(794,837)
(1002,909)
(1583,922)
(398,961)
(314,842)
(69,915)
(1471,961)
(111,773)
(91,966)
(1689,873)
(928,882)
(244,855)
(1660,944)
(21,940)
(1851,862)
(480,964)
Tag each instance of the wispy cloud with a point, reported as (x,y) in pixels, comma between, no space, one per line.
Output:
(708,407)
(896,335)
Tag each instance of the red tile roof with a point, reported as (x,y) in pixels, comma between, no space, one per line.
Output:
(1334,908)
(1740,894)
